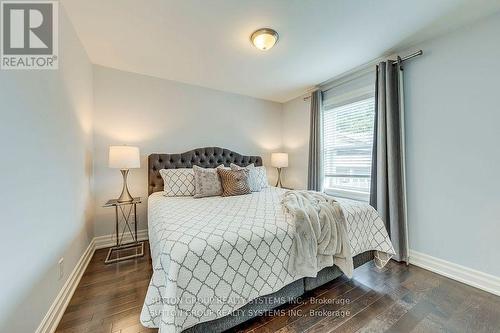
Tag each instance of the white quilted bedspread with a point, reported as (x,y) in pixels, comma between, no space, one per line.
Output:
(213,255)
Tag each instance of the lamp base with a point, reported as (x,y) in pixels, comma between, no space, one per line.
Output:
(125,195)
(278,182)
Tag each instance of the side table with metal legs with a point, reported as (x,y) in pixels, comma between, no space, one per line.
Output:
(123,212)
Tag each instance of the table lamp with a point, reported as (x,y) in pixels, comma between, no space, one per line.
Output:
(279,160)
(124,158)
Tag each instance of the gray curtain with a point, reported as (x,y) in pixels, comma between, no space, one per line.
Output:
(315,167)
(388,193)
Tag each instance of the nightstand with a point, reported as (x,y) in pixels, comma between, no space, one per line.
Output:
(124,251)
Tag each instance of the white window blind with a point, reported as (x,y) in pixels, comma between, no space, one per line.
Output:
(348,143)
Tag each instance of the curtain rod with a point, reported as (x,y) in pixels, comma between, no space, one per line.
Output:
(409,56)
(399,59)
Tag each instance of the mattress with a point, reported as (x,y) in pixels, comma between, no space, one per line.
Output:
(213,255)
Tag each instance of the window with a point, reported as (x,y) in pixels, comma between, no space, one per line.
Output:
(348,143)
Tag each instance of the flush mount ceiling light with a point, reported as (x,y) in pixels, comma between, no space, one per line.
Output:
(264,39)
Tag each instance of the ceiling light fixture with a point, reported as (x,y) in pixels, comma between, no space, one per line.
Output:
(264,38)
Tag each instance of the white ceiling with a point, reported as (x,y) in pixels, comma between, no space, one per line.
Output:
(206,42)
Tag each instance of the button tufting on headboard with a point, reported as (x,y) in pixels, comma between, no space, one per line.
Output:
(209,157)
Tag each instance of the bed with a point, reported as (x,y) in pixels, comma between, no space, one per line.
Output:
(219,261)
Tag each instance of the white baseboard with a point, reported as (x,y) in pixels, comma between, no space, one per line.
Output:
(472,277)
(56,311)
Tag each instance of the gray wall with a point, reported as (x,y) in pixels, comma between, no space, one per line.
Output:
(452,143)
(453,149)
(158,115)
(46,206)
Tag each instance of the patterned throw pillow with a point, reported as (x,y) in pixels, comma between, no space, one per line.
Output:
(261,177)
(206,182)
(178,182)
(252,176)
(234,182)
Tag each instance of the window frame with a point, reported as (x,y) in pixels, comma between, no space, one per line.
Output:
(350,97)
(346,194)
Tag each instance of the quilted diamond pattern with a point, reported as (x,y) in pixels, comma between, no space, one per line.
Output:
(366,230)
(213,255)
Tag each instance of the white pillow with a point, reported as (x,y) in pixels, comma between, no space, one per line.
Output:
(261,177)
(257,177)
(178,182)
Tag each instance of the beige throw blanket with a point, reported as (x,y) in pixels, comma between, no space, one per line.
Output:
(320,238)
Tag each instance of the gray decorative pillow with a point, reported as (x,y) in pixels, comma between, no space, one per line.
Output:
(252,176)
(206,182)
(178,182)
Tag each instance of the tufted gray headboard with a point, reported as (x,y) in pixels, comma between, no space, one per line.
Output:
(209,157)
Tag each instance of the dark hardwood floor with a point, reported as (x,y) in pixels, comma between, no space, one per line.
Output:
(396,299)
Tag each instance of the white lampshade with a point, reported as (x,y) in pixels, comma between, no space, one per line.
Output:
(279,160)
(124,157)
